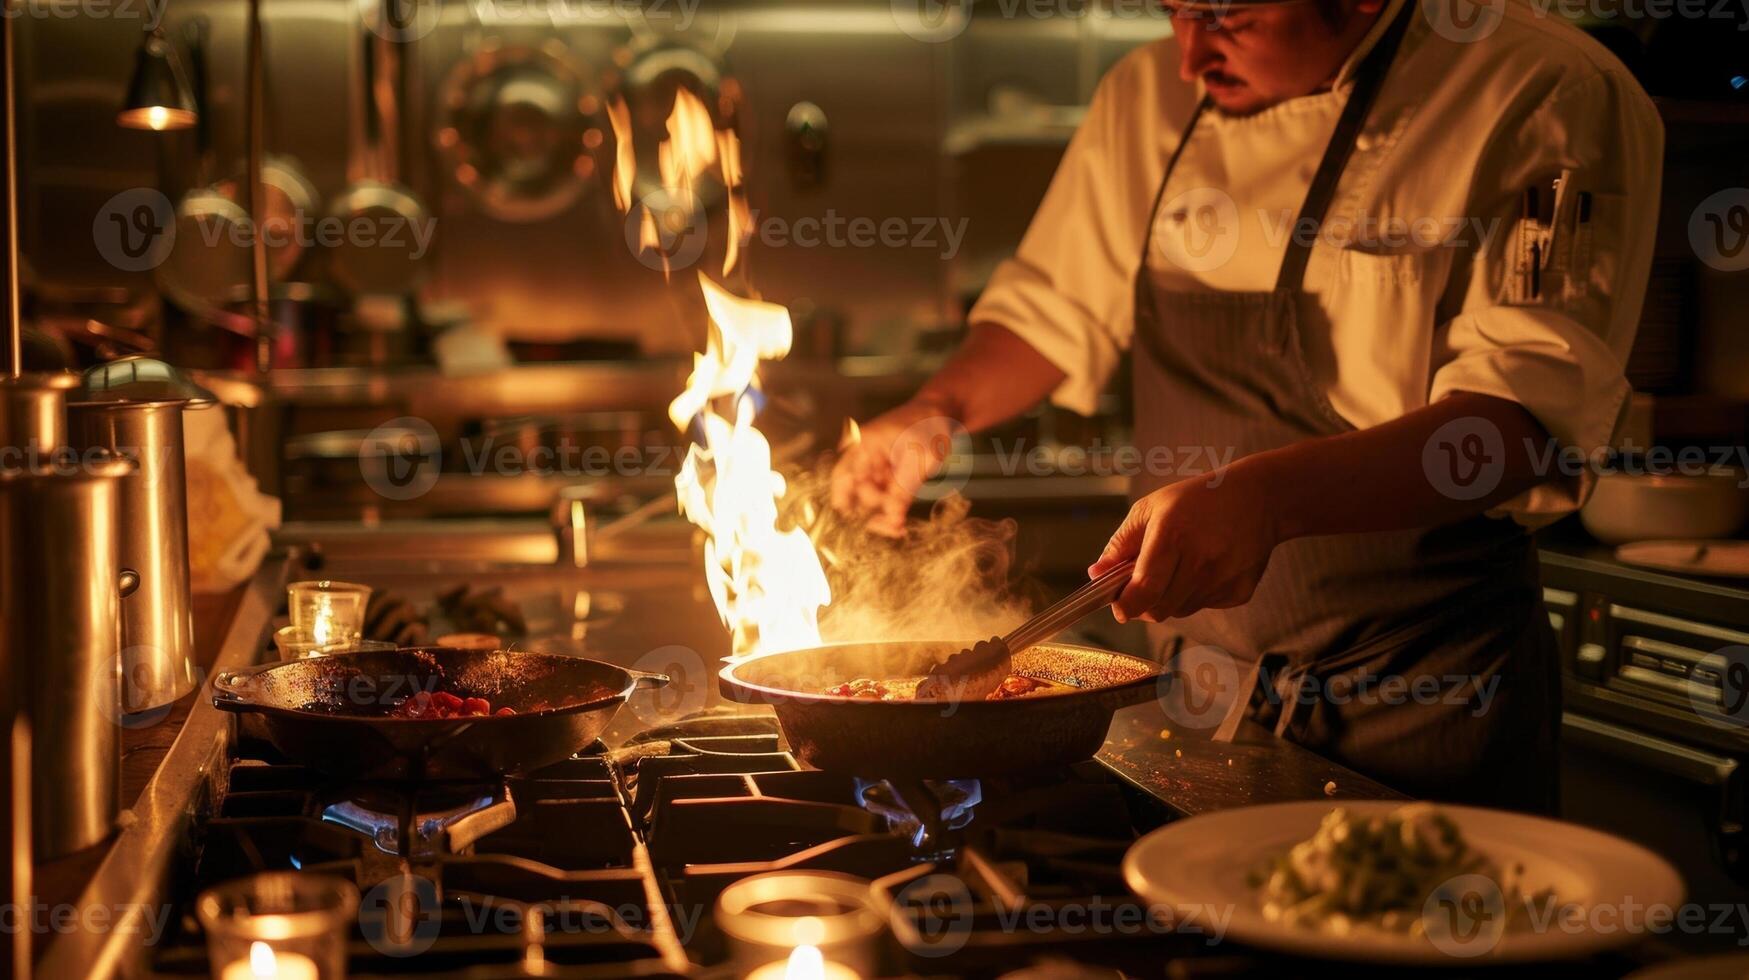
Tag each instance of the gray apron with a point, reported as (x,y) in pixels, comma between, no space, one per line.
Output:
(1453,612)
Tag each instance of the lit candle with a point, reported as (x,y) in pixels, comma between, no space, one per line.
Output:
(804,963)
(264,964)
(323,628)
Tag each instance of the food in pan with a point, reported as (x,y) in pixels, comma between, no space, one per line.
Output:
(442,704)
(905,688)
(1360,872)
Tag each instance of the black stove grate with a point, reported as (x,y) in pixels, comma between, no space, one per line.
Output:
(609,863)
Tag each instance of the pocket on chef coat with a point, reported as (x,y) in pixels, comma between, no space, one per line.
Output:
(1375,302)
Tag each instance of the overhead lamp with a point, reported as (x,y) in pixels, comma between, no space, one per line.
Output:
(158,94)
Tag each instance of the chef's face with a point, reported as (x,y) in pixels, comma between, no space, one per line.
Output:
(1250,58)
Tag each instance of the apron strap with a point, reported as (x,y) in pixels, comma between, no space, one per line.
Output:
(1160,191)
(1369,77)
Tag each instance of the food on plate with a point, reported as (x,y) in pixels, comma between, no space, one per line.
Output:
(442,704)
(905,688)
(1378,872)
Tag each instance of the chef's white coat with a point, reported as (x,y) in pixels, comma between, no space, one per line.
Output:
(1418,268)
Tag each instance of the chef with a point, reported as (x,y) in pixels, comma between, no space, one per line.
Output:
(1385,259)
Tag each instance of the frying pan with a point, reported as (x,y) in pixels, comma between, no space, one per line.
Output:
(939,739)
(330,713)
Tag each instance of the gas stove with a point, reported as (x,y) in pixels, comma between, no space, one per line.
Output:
(610,863)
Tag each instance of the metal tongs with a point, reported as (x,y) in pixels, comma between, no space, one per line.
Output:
(975,672)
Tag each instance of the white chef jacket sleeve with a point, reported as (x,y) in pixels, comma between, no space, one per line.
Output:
(1068,289)
(1561,354)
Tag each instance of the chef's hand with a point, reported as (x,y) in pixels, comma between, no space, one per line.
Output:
(877,477)
(1200,543)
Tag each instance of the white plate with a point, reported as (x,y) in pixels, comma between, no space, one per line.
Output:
(1723,558)
(1196,868)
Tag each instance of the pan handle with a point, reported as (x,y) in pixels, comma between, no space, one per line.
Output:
(644,680)
(231,688)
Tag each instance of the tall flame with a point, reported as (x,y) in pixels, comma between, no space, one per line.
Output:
(767,583)
(625,168)
(691,147)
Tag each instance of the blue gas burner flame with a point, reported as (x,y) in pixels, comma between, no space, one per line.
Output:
(921,810)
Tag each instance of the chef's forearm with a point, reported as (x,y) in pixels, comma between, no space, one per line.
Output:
(993,377)
(1378,479)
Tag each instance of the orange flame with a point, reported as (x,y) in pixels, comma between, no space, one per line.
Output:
(691,147)
(767,583)
(625,168)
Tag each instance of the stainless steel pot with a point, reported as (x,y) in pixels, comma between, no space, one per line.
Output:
(59,613)
(157,640)
(33,410)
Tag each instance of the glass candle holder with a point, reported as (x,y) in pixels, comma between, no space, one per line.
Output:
(329,610)
(283,925)
(829,917)
(298,642)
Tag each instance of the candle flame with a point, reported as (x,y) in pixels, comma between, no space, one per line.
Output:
(261,960)
(805,963)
